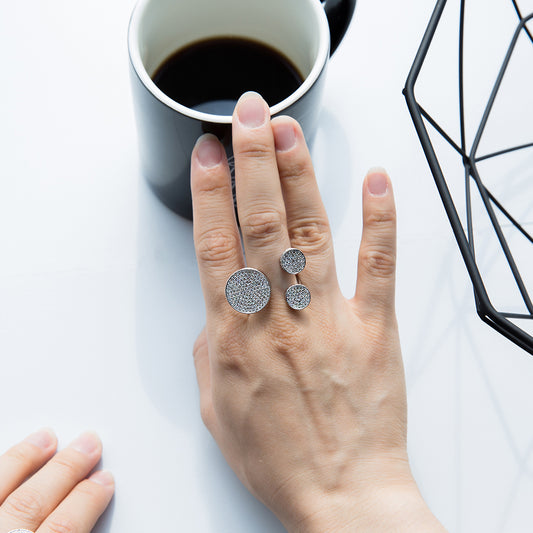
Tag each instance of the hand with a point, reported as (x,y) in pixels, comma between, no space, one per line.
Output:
(308,407)
(48,493)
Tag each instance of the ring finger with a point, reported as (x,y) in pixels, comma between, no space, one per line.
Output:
(30,504)
(307,221)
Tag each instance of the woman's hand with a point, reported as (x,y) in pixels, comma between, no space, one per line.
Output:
(308,407)
(48,492)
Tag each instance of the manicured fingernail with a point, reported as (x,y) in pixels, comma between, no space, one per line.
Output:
(377,182)
(86,443)
(44,438)
(103,477)
(251,110)
(285,137)
(210,151)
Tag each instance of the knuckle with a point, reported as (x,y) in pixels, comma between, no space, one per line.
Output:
(25,505)
(295,170)
(264,225)
(67,465)
(378,263)
(216,245)
(231,359)
(211,183)
(19,454)
(288,340)
(60,524)
(311,235)
(256,149)
(384,219)
(231,353)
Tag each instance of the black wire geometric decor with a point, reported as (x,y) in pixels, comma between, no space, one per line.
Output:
(481,187)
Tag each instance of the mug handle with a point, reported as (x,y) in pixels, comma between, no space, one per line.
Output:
(339,13)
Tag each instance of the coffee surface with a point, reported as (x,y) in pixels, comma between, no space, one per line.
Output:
(211,75)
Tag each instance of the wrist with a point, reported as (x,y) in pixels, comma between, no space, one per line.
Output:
(396,505)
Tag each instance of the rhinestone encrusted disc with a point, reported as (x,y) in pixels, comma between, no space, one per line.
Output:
(298,297)
(292,261)
(248,290)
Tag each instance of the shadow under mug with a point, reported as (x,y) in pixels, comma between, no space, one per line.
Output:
(306,31)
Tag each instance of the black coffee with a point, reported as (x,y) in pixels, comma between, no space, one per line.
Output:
(211,75)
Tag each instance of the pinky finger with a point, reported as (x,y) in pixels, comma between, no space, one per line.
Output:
(80,510)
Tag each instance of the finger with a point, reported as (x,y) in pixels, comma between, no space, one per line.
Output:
(377,253)
(259,197)
(203,375)
(216,237)
(25,458)
(307,221)
(33,501)
(80,510)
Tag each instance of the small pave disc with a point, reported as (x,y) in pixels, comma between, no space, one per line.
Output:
(298,297)
(292,261)
(248,290)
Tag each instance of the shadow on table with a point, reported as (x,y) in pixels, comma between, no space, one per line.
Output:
(331,155)
(105,522)
(170,314)
(477,377)
(170,309)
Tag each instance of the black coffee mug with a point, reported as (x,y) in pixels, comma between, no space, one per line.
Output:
(305,31)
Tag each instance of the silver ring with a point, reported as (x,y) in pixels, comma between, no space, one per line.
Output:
(298,297)
(248,290)
(20,531)
(292,261)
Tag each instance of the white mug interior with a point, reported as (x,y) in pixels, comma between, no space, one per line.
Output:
(297,28)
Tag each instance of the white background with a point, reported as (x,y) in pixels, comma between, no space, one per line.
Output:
(100,300)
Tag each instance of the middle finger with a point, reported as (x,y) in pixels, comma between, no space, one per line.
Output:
(258,189)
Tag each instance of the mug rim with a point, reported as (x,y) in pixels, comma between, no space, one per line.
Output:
(136,61)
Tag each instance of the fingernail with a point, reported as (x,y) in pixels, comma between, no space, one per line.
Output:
(103,477)
(210,151)
(86,443)
(285,137)
(44,438)
(377,182)
(251,110)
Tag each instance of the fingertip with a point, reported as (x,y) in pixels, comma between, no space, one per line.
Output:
(103,478)
(88,443)
(286,133)
(45,439)
(208,151)
(251,110)
(377,182)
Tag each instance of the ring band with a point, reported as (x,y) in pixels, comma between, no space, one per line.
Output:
(20,531)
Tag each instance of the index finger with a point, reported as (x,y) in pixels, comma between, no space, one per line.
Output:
(23,459)
(216,237)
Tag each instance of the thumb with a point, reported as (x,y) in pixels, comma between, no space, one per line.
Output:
(203,374)
(376,269)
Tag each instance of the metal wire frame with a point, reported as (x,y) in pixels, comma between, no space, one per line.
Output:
(499,320)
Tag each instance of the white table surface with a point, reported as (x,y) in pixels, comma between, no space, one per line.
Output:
(100,300)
